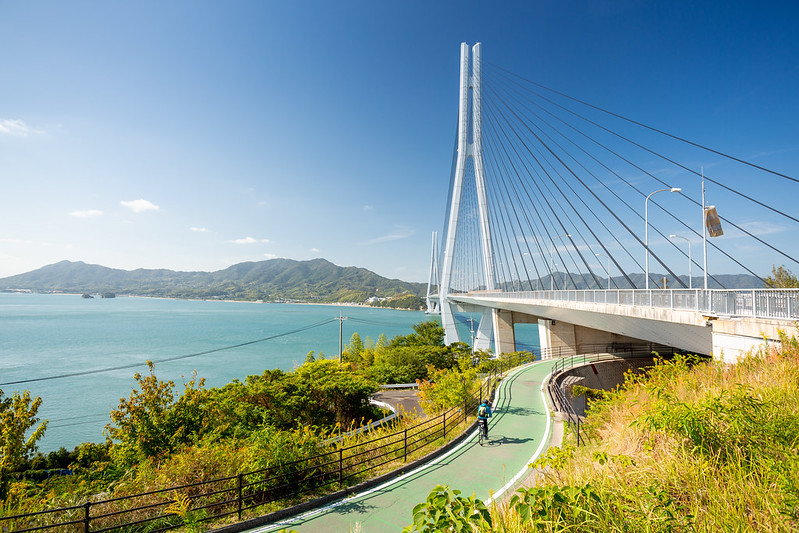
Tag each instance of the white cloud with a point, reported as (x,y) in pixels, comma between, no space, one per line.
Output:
(200,230)
(400,233)
(270,256)
(140,205)
(249,240)
(759,228)
(17,128)
(86,213)
(315,250)
(368,208)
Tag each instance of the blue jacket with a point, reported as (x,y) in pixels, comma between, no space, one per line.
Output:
(488,411)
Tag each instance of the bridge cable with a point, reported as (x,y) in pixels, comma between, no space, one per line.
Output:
(589,268)
(619,198)
(551,239)
(661,181)
(687,169)
(596,197)
(526,241)
(717,152)
(579,197)
(572,172)
(599,241)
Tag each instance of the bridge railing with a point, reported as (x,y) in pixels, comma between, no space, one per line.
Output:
(780,304)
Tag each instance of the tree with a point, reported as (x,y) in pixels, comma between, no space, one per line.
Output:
(781,278)
(428,333)
(353,352)
(152,423)
(140,422)
(17,417)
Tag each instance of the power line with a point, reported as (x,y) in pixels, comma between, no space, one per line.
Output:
(169,359)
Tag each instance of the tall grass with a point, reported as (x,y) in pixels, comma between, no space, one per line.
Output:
(688,446)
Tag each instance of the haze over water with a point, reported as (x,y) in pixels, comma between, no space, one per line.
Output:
(51,335)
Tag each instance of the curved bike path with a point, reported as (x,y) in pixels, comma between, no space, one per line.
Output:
(519,431)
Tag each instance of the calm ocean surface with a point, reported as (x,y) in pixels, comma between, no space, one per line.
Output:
(44,335)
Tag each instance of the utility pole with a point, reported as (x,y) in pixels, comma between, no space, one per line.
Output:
(341,320)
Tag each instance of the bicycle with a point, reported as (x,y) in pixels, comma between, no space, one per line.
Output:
(482,431)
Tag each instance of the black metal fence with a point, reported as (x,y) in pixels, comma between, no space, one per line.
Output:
(280,485)
(594,354)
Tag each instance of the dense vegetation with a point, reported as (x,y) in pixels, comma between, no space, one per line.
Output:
(317,280)
(686,447)
(163,435)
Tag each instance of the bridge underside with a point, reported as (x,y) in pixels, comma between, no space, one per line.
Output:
(582,326)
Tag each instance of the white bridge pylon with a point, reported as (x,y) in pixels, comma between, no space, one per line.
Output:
(468,153)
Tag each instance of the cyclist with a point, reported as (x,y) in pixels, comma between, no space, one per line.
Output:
(483,414)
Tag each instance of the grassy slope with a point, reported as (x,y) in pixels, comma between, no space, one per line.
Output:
(709,448)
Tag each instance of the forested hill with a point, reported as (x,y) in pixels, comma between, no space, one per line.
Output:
(317,280)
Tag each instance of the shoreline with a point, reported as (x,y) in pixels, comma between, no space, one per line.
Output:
(329,304)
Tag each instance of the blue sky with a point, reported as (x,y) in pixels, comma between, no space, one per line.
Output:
(193,135)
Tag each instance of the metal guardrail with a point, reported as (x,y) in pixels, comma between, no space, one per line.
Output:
(611,353)
(779,304)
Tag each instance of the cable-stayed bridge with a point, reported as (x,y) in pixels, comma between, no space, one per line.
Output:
(603,230)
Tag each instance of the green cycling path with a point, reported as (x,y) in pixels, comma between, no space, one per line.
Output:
(519,431)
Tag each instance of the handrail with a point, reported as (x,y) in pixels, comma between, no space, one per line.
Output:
(779,304)
(613,353)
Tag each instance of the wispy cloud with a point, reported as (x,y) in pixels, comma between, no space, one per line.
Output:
(17,128)
(86,213)
(249,240)
(315,250)
(400,233)
(270,256)
(199,230)
(368,208)
(759,228)
(140,205)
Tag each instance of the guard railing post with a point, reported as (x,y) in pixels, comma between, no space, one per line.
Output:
(405,445)
(86,507)
(239,484)
(340,467)
(445,424)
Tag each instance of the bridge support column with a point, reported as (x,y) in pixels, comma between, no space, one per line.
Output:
(482,340)
(504,335)
(556,337)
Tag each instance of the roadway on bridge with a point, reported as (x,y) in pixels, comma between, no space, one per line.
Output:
(520,431)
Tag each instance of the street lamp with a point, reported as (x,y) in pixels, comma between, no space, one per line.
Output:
(607,269)
(646,227)
(552,259)
(690,286)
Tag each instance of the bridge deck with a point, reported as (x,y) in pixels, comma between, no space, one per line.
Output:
(519,431)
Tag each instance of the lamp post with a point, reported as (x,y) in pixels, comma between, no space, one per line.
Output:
(607,270)
(646,228)
(690,285)
(552,261)
(471,331)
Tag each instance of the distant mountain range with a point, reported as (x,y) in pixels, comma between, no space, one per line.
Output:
(317,280)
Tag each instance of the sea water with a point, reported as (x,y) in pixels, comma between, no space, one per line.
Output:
(62,348)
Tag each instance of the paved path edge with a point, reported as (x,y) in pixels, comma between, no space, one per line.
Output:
(300,508)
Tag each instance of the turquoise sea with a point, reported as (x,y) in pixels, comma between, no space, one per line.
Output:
(46,336)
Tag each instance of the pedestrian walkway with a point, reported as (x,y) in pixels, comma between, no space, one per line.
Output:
(519,432)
